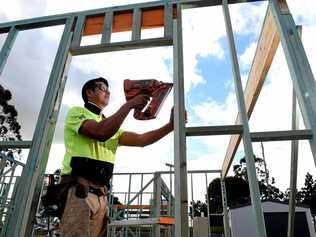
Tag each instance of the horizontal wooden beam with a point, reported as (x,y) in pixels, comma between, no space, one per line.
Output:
(266,49)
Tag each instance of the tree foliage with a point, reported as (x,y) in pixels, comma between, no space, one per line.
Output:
(268,190)
(307,194)
(9,126)
(237,193)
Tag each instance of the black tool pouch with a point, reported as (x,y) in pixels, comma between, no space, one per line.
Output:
(82,187)
(55,198)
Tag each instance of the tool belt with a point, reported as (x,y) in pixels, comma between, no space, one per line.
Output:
(87,175)
(98,172)
(84,186)
(54,200)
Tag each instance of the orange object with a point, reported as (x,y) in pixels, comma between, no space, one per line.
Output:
(167,220)
(157,90)
(123,20)
(121,206)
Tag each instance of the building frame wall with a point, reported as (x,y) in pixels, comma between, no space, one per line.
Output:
(278,26)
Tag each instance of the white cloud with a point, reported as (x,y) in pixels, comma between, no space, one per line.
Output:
(247,56)
(214,113)
(247,18)
(17,9)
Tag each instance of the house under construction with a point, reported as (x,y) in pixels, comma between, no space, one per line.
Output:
(20,195)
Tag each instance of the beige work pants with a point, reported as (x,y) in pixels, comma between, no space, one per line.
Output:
(84,217)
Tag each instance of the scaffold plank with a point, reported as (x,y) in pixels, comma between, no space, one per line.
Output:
(148,221)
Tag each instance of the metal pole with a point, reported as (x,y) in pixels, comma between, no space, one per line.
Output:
(192,188)
(170,186)
(128,201)
(180,161)
(294,160)
(251,169)
(300,70)
(293,174)
(224,201)
(141,194)
(208,204)
(6,194)
(157,202)
(170,204)
(26,201)
(6,48)
(141,201)
(110,203)
(128,193)
(265,165)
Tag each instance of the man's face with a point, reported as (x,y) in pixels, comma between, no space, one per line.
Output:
(100,95)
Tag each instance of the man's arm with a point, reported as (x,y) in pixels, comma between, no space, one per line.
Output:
(141,140)
(108,127)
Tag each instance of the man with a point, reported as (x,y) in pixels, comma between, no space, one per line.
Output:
(91,141)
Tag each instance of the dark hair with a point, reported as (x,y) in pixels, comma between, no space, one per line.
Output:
(91,85)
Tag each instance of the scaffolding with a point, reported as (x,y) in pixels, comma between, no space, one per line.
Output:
(151,209)
(278,26)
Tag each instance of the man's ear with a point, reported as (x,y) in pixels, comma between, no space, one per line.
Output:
(89,92)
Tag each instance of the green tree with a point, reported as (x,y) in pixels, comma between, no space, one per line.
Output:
(268,190)
(237,190)
(307,194)
(9,126)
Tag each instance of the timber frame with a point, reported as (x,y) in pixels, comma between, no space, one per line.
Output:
(279,26)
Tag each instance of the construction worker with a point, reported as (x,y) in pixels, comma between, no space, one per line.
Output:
(91,141)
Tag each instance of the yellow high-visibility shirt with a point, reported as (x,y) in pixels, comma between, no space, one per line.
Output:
(78,145)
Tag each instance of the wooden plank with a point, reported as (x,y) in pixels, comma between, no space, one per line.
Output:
(121,206)
(123,21)
(266,49)
(166,220)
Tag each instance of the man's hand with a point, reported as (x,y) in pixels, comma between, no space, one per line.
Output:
(172,117)
(138,102)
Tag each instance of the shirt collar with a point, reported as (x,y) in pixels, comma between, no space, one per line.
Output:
(92,107)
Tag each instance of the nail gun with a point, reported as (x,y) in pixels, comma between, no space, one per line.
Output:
(157,90)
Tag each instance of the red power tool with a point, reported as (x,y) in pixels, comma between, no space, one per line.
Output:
(157,90)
